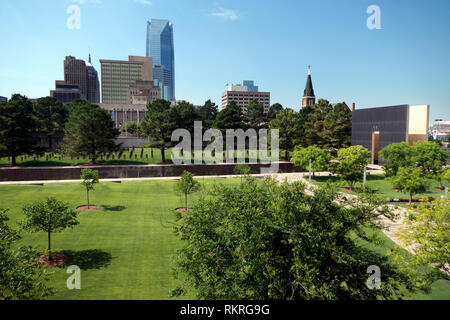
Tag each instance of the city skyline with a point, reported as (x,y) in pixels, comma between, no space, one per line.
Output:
(403,62)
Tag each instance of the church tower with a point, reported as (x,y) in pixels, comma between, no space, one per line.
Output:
(308,95)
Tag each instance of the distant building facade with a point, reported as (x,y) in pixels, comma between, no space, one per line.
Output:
(244,94)
(67,92)
(3,99)
(161,49)
(308,98)
(376,128)
(80,82)
(440,130)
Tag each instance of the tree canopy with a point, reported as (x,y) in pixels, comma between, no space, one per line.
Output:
(320,158)
(351,162)
(410,180)
(288,125)
(89,131)
(261,240)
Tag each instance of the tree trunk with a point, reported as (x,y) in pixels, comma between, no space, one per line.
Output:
(163,155)
(185,201)
(50,143)
(286,153)
(49,247)
(87,192)
(410,197)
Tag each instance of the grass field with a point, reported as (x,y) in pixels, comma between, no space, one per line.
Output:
(384,187)
(126,250)
(140,156)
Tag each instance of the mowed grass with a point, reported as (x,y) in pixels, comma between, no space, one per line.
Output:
(132,237)
(126,250)
(383,186)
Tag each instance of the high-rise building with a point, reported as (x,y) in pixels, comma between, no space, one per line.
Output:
(93,85)
(3,99)
(244,94)
(308,94)
(66,92)
(160,48)
(75,72)
(118,76)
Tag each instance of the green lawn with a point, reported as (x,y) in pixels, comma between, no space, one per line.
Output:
(126,250)
(384,187)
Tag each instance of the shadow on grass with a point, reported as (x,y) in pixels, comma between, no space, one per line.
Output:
(113,208)
(88,259)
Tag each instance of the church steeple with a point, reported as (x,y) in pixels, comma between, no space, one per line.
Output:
(308,94)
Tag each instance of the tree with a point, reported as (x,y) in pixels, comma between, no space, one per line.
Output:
(89,131)
(303,116)
(187,185)
(130,127)
(158,125)
(229,118)
(337,131)
(19,277)
(429,156)
(315,128)
(51,117)
(426,230)
(410,180)
(49,216)
(444,176)
(17,127)
(254,115)
(288,124)
(351,163)
(395,156)
(274,110)
(320,158)
(90,179)
(242,169)
(262,241)
(208,113)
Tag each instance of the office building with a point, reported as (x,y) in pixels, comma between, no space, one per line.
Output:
(67,92)
(376,128)
(75,72)
(161,49)
(244,94)
(117,76)
(3,99)
(440,130)
(93,85)
(308,98)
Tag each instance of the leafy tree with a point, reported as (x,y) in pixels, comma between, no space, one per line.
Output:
(337,131)
(242,169)
(274,110)
(208,113)
(261,240)
(130,127)
(17,127)
(187,185)
(410,180)
(49,216)
(19,277)
(351,163)
(51,116)
(444,176)
(320,158)
(254,115)
(158,125)
(229,118)
(429,156)
(395,156)
(90,179)
(288,124)
(89,131)
(185,114)
(427,231)
(303,116)
(315,128)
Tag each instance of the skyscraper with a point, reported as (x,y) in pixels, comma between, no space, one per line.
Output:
(93,85)
(160,48)
(75,72)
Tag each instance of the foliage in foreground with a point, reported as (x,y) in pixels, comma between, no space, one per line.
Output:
(427,232)
(19,277)
(262,240)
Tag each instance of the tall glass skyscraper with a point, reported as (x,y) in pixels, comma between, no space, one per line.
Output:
(160,48)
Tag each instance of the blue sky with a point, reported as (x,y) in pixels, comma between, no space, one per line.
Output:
(407,61)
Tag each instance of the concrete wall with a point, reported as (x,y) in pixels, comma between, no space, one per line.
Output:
(105,172)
